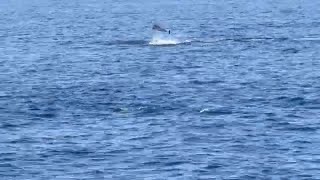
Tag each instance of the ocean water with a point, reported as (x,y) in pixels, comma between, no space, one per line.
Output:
(88,92)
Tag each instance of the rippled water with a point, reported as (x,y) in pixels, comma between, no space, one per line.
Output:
(85,96)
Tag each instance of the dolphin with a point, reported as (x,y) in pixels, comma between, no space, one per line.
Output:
(158,28)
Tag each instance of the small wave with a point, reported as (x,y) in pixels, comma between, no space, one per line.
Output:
(308,39)
(216,111)
(126,42)
(290,50)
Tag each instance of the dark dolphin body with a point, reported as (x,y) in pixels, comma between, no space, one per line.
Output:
(158,28)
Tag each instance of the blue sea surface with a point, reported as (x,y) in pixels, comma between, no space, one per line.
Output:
(84,95)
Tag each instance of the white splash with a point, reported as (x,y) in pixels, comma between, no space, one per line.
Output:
(163,42)
(160,39)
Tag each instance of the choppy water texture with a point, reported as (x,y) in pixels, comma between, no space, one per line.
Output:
(84,95)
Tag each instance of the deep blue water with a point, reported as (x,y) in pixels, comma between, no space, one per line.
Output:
(84,96)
